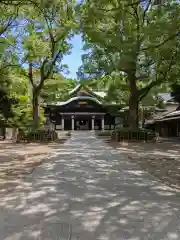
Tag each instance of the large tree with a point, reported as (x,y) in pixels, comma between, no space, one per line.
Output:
(36,33)
(133,38)
(45,40)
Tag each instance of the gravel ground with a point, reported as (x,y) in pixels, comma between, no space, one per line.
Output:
(93,190)
(162,160)
(17,160)
(167,169)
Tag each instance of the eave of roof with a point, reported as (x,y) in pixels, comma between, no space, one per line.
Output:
(169,116)
(167,119)
(75,89)
(74,99)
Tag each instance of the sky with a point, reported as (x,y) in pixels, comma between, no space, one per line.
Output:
(74,59)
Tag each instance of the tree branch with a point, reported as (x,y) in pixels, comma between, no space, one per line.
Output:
(138,40)
(163,42)
(144,91)
(135,3)
(146,10)
(142,77)
(49,26)
(30,75)
(53,62)
(9,23)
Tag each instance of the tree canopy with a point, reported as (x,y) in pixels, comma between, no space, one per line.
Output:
(131,50)
(135,39)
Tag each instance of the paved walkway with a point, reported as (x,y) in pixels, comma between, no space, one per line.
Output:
(90,187)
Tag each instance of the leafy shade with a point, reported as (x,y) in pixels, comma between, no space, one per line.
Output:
(137,40)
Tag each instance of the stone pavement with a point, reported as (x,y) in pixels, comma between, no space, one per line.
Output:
(92,191)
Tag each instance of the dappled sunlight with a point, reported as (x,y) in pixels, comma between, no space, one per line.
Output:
(161,160)
(136,172)
(36,209)
(164,148)
(96,190)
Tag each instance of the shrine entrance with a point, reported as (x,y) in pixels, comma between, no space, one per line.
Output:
(83,123)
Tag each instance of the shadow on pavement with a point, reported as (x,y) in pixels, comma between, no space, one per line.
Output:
(88,185)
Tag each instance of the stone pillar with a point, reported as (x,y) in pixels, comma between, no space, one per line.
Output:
(62,122)
(9,133)
(92,122)
(102,123)
(72,122)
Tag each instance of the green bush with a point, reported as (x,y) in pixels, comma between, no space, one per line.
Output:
(132,134)
(39,135)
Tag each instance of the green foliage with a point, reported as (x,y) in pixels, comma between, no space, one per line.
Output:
(127,38)
(5,106)
(46,42)
(46,35)
(130,48)
(18,112)
(8,16)
(22,114)
(6,100)
(36,33)
(57,89)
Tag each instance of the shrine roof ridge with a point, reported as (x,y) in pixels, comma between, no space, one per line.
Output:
(76,98)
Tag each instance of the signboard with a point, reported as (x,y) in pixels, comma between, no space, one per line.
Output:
(83,103)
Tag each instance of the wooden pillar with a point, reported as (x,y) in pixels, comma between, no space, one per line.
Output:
(62,122)
(72,122)
(92,123)
(102,123)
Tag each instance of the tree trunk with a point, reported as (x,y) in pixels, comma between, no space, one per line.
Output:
(133,102)
(35,103)
(133,113)
(143,116)
(143,122)
(4,133)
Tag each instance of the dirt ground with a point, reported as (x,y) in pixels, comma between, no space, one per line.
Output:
(162,159)
(19,159)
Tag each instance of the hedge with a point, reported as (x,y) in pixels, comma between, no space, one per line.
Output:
(104,133)
(132,134)
(37,136)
